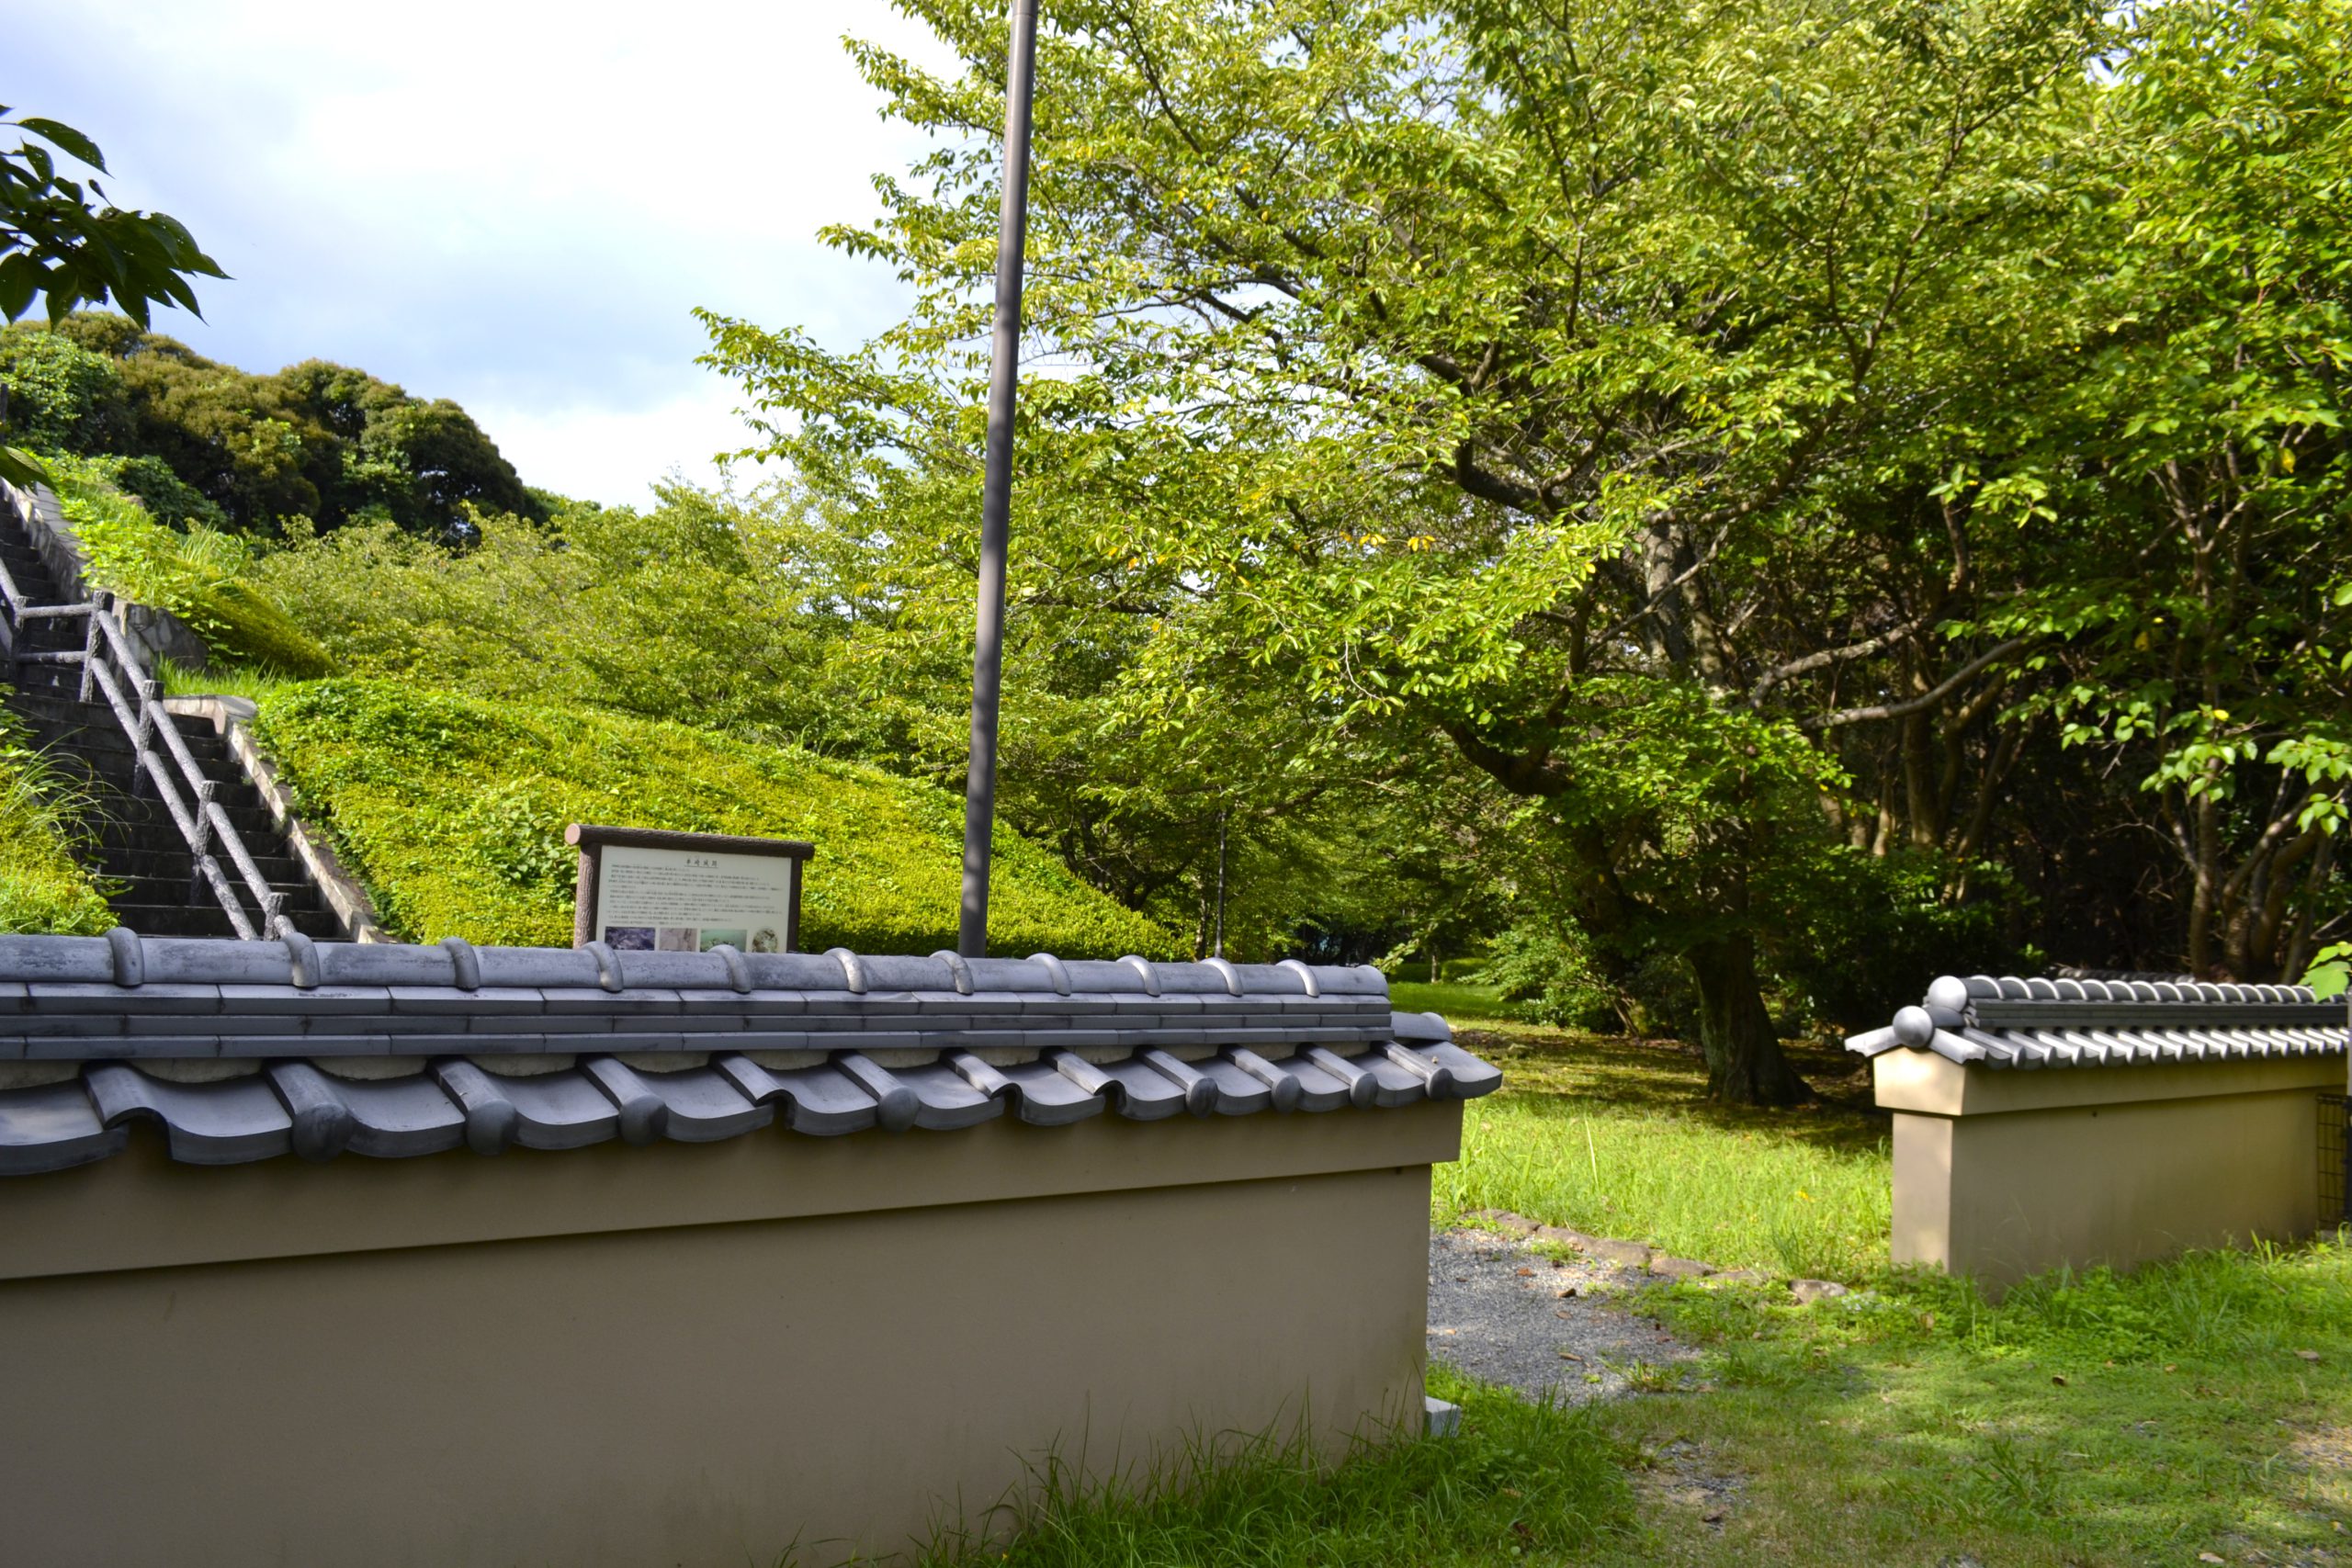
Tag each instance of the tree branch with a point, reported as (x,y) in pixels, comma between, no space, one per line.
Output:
(1828,656)
(1958,678)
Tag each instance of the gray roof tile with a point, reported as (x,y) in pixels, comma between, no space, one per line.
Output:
(397,1118)
(228,1123)
(1213,1038)
(705,1106)
(1239,1092)
(558,1110)
(52,1127)
(1045,1096)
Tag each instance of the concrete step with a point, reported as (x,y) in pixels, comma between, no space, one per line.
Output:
(97,724)
(174,862)
(131,822)
(207,919)
(88,735)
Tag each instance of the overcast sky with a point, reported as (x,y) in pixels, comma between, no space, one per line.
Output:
(515,206)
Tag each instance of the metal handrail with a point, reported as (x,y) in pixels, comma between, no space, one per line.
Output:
(110,662)
(201,822)
(192,826)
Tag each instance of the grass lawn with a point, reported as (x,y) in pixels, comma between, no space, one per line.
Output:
(2169,1416)
(1462,1004)
(2091,1420)
(2195,1411)
(451,809)
(1519,1484)
(1610,1136)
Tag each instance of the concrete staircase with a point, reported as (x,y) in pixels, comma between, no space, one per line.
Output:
(134,843)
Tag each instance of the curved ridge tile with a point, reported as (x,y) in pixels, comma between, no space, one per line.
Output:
(322,1123)
(491,1120)
(945,1100)
(1437,1079)
(1201,1091)
(1285,1087)
(1394,1083)
(558,1110)
(644,1116)
(1320,1089)
(1472,1076)
(896,1104)
(86,960)
(823,1100)
(1239,1092)
(1145,1094)
(1418,1028)
(1363,1088)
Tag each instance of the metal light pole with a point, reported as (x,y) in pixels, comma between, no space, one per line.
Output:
(996,491)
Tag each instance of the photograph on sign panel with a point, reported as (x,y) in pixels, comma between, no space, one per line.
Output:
(675,939)
(630,938)
(765,940)
(713,937)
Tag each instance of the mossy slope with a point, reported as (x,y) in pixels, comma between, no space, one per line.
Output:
(452,809)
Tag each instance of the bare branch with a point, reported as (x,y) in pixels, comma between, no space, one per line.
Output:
(1958,678)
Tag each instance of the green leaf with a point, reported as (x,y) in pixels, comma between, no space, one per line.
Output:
(21,468)
(2331,971)
(71,140)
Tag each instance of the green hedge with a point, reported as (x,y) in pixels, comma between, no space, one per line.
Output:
(452,809)
(42,887)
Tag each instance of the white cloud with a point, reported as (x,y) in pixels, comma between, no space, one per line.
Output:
(601,450)
(512,204)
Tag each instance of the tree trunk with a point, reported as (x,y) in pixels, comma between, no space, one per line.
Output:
(1744,1066)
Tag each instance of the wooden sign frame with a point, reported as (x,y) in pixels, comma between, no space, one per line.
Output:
(593,840)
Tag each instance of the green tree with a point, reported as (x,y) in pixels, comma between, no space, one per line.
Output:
(2202,454)
(1569,383)
(61,396)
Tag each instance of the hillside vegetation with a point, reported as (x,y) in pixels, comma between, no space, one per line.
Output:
(452,810)
(207,443)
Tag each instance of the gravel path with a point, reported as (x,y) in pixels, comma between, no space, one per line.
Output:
(1505,1315)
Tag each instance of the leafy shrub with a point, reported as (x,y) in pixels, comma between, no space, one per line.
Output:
(167,498)
(1547,967)
(42,887)
(452,810)
(198,575)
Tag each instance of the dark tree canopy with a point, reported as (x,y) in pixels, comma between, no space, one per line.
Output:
(315,440)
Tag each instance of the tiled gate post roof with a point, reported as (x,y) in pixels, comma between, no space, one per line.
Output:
(2007,1023)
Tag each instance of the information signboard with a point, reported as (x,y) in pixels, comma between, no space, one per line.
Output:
(645,889)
